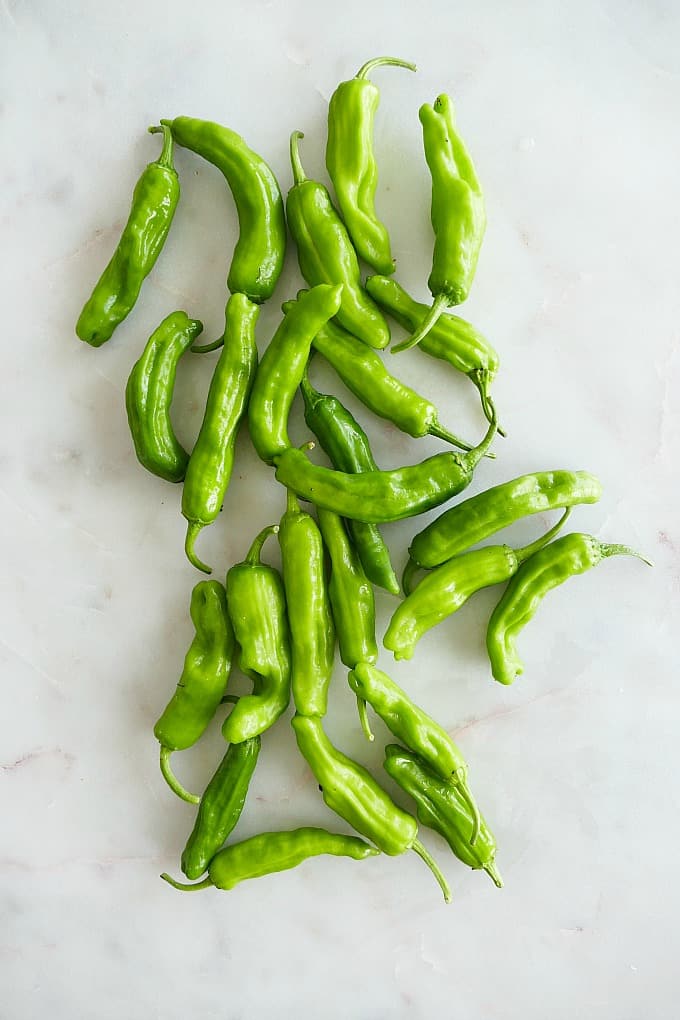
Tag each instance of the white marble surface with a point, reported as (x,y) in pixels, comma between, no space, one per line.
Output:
(571,112)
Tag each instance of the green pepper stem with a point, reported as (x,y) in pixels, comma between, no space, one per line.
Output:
(529,550)
(292,505)
(253,555)
(439,432)
(364,71)
(172,780)
(410,570)
(480,378)
(193,529)
(622,550)
(165,158)
(186,886)
(299,175)
(363,718)
(460,780)
(474,456)
(440,303)
(432,865)
(206,348)
(494,873)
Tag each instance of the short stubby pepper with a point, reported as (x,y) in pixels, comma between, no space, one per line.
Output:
(346,444)
(220,807)
(282,367)
(200,688)
(441,806)
(570,555)
(458,214)
(326,255)
(271,852)
(380,496)
(448,587)
(475,519)
(352,792)
(351,163)
(212,458)
(409,723)
(148,396)
(351,595)
(257,607)
(258,256)
(309,612)
(154,201)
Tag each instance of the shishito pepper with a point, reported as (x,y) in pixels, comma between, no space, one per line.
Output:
(154,202)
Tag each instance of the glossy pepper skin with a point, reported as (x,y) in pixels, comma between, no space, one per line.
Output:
(148,396)
(413,726)
(450,339)
(271,852)
(309,613)
(350,593)
(220,807)
(351,163)
(448,587)
(154,201)
(346,444)
(282,367)
(475,519)
(207,666)
(257,607)
(570,555)
(326,255)
(441,807)
(458,214)
(352,792)
(258,256)
(212,459)
(380,496)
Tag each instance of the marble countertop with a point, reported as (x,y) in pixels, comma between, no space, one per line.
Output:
(571,113)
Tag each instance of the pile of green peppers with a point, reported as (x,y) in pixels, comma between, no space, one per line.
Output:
(281,626)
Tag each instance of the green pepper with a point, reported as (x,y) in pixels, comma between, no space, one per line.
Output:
(458,214)
(475,519)
(570,555)
(282,367)
(309,612)
(326,255)
(380,496)
(220,807)
(207,666)
(258,256)
(212,460)
(441,807)
(448,587)
(346,444)
(271,852)
(351,164)
(154,201)
(352,792)
(257,607)
(148,396)
(350,593)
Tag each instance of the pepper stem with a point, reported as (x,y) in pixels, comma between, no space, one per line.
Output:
(529,550)
(206,348)
(622,550)
(410,570)
(299,175)
(439,432)
(495,874)
(172,780)
(165,158)
(480,377)
(193,529)
(253,555)
(440,303)
(186,886)
(364,71)
(292,505)
(459,777)
(475,455)
(363,718)
(432,865)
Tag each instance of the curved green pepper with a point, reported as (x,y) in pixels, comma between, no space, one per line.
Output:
(271,852)
(154,201)
(257,607)
(148,396)
(351,164)
(326,255)
(212,459)
(258,256)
